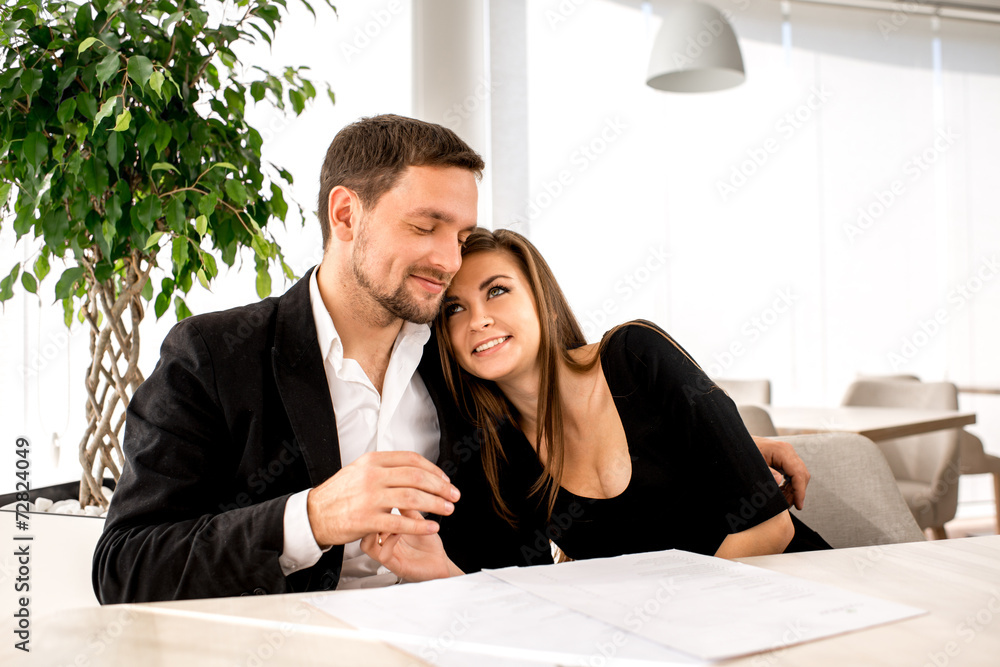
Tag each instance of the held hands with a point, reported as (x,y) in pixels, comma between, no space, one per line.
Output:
(785,465)
(359,499)
(412,557)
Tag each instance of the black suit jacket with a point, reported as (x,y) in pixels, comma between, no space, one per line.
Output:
(235,418)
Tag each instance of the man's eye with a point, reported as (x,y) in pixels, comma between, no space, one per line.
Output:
(422,230)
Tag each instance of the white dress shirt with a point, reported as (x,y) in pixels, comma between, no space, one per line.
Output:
(402,418)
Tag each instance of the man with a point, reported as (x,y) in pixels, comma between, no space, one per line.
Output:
(271,438)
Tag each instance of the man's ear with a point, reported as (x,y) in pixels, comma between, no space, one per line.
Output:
(343,212)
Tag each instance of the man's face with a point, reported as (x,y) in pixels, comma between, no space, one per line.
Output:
(408,246)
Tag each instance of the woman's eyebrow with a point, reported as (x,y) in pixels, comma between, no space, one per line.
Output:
(486,282)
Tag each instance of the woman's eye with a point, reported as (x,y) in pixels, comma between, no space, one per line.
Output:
(451,309)
(496,290)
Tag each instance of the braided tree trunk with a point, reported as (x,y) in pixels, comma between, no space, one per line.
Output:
(114,370)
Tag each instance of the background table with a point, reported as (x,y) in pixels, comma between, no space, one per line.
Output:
(873,423)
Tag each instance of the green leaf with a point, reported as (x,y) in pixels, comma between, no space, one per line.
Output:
(181,309)
(148,212)
(106,110)
(153,240)
(31,81)
(161,305)
(202,278)
(263,282)
(113,208)
(225,165)
(64,288)
(115,148)
(156,83)
(163,136)
(139,69)
(201,224)
(236,192)
(147,290)
(42,266)
(66,110)
(179,252)
(7,77)
(108,67)
(4,193)
(208,203)
(7,284)
(29,282)
(124,121)
(86,44)
(165,166)
(175,212)
(35,149)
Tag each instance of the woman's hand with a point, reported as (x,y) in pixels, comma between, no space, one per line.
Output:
(412,557)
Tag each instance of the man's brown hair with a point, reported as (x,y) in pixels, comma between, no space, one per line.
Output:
(369,156)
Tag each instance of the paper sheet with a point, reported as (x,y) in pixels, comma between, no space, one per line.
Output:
(704,606)
(445,621)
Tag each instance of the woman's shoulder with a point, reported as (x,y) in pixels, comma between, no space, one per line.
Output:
(643,346)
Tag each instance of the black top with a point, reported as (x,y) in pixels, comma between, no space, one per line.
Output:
(697,475)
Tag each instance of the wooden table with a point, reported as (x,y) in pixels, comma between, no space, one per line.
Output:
(958,581)
(873,423)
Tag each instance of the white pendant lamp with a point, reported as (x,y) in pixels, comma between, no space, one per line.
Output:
(695,51)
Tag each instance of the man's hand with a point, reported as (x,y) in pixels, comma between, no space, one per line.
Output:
(359,499)
(413,557)
(782,458)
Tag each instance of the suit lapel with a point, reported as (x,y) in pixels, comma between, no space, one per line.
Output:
(302,384)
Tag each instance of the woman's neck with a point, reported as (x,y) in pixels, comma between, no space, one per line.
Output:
(576,391)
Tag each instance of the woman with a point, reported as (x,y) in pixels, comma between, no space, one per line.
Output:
(624,446)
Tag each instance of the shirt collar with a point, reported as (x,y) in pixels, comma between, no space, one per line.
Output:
(411,337)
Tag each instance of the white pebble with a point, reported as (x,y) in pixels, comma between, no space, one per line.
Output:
(93,510)
(43,504)
(107,492)
(65,509)
(104,514)
(70,502)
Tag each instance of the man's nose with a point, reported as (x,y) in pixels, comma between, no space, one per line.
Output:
(448,255)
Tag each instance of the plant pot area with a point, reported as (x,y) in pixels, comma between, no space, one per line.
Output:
(59,499)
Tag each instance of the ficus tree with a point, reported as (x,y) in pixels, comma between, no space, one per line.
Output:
(123,149)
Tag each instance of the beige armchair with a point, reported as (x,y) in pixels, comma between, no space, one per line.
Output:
(974,461)
(852,499)
(756,392)
(926,467)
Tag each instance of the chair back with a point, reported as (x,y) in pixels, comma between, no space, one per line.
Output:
(852,499)
(757,420)
(755,392)
(925,466)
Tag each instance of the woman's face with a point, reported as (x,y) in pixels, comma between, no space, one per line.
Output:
(489,311)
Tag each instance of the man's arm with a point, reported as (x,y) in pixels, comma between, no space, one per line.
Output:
(168,533)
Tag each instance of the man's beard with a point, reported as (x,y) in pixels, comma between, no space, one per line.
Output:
(398,303)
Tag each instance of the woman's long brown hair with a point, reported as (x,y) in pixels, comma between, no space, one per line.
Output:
(482,401)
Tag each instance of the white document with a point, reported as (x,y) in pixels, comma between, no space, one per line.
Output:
(478,619)
(704,606)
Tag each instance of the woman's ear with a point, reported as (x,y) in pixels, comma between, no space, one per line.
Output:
(344,211)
